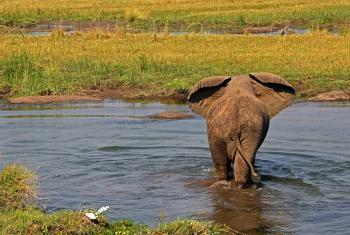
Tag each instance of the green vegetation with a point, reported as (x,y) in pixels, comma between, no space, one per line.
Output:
(19,215)
(180,14)
(18,187)
(164,65)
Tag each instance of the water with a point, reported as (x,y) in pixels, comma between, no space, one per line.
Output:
(37,33)
(69,29)
(291,31)
(106,153)
(178,33)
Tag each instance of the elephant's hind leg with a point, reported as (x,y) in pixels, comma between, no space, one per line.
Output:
(241,168)
(221,161)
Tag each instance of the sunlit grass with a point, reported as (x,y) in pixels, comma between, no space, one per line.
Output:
(218,13)
(313,63)
(18,187)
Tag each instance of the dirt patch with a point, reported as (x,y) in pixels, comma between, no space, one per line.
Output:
(51,99)
(331,96)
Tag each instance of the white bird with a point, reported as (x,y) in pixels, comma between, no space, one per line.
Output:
(93,216)
(102,209)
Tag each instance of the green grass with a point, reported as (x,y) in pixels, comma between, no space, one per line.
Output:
(34,221)
(178,13)
(18,187)
(19,214)
(314,63)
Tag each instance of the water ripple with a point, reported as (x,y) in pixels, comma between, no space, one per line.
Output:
(97,154)
(120,148)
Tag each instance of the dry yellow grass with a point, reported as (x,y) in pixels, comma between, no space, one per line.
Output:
(219,12)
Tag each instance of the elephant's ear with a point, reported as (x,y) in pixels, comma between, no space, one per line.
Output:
(205,92)
(275,92)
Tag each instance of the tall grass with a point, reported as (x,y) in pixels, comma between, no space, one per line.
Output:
(314,63)
(218,13)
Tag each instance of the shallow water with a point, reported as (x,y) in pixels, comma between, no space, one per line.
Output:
(47,29)
(106,153)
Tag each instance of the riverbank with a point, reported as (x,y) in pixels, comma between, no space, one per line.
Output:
(20,214)
(179,15)
(132,96)
(156,66)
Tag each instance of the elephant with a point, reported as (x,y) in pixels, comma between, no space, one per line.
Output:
(238,110)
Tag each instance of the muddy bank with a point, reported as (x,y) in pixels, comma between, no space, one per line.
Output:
(331,96)
(130,93)
(170,115)
(263,29)
(50,99)
(123,93)
(138,94)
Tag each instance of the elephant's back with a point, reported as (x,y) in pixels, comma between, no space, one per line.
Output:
(222,118)
(236,113)
(252,114)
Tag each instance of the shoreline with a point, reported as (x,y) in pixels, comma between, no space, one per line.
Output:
(44,28)
(122,93)
(137,94)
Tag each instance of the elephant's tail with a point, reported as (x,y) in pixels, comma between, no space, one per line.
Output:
(254,176)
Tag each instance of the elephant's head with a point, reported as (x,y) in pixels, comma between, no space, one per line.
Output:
(272,90)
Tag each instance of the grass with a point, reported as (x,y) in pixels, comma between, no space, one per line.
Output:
(59,64)
(20,215)
(18,187)
(178,13)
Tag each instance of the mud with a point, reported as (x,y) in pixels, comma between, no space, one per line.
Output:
(259,30)
(331,96)
(135,94)
(124,93)
(51,99)
(170,115)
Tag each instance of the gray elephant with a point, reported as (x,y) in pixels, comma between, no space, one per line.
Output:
(238,111)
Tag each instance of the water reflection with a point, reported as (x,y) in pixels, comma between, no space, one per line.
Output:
(241,210)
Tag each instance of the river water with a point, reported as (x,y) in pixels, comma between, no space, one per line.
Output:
(94,154)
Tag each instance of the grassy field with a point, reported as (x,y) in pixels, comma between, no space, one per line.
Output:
(187,14)
(19,214)
(59,64)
